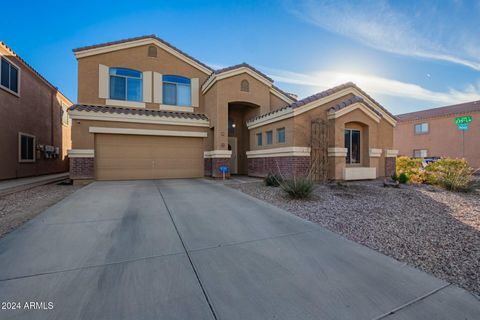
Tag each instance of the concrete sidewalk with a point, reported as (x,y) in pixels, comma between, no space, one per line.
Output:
(14,185)
(195,249)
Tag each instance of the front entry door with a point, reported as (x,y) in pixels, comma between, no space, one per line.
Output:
(232,145)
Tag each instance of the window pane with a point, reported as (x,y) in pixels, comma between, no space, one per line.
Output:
(259,139)
(347,144)
(29,148)
(169,94)
(125,72)
(134,89)
(269,137)
(355,146)
(424,127)
(117,88)
(281,135)
(184,95)
(176,79)
(13,79)
(23,148)
(5,76)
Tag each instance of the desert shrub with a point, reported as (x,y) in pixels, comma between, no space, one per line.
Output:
(408,165)
(298,187)
(272,180)
(452,174)
(402,177)
(412,168)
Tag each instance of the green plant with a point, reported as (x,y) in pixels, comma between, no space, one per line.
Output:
(298,187)
(394,176)
(412,168)
(452,174)
(402,177)
(273,180)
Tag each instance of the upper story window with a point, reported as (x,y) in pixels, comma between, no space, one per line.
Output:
(177,91)
(269,135)
(9,75)
(259,139)
(281,135)
(421,128)
(244,86)
(125,84)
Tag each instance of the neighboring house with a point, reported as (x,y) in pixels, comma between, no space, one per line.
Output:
(34,123)
(148,110)
(435,133)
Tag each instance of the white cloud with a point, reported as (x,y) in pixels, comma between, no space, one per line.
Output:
(418,29)
(375,85)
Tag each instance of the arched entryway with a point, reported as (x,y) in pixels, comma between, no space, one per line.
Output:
(238,134)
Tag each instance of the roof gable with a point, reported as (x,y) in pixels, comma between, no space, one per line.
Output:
(248,69)
(141,41)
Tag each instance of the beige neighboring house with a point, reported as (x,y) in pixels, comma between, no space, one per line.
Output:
(435,133)
(147,110)
(34,124)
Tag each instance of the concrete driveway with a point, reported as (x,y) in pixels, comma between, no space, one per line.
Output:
(195,249)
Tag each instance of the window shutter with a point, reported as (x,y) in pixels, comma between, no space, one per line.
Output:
(195,92)
(147,86)
(157,88)
(103,82)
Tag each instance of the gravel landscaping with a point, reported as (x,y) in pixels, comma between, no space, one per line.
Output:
(435,230)
(19,207)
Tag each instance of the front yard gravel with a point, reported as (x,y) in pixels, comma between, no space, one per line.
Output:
(21,206)
(435,230)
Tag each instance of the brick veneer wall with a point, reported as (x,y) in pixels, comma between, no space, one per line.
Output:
(390,166)
(286,166)
(216,163)
(82,168)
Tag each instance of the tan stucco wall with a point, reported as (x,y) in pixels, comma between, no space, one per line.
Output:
(132,58)
(83,139)
(288,124)
(276,102)
(36,111)
(443,140)
(298,133)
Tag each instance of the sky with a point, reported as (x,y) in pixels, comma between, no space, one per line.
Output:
(408,55)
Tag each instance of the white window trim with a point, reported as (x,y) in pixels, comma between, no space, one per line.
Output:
(20,134)
(285,134)
(168,107)
(125,103)
(18,80)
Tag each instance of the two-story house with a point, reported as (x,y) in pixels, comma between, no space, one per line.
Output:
(450,131)
(147,110)
(34,123)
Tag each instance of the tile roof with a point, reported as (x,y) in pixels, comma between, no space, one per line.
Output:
(32,69)
(243,65)
(473,106)
(152,36)
(323,94)
(352,100)
(142,112)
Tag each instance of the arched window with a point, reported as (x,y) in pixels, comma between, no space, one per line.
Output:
(177,91)
(125,84)
(244,86)
(152,51)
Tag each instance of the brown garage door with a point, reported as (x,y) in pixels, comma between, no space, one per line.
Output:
(128,157)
